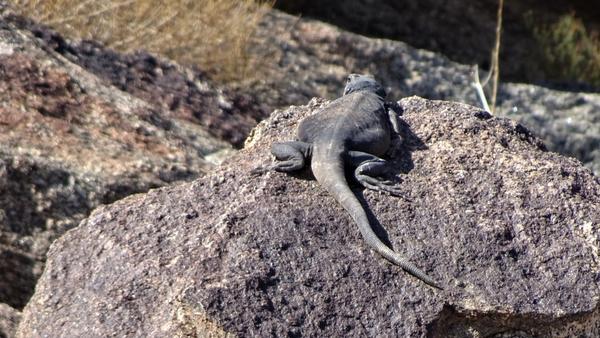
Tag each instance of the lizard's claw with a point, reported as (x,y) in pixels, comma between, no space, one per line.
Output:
(371,174)
(378,184)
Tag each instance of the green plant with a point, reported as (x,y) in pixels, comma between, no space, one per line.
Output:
(213,34)
(568,50)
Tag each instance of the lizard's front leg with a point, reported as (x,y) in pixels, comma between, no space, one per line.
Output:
(394,111)
(291,156)
(371,171)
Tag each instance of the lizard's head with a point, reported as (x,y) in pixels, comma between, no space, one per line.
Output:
(358,82)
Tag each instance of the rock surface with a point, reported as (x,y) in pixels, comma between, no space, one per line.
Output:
(313,59)
(70,141)
(513,231)
(9,319)
(181,93)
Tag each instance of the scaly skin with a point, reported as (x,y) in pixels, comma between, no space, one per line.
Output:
(354,130)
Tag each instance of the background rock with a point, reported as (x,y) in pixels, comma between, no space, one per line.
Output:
(181,93)
(462,30)
(510,229)
(70,141)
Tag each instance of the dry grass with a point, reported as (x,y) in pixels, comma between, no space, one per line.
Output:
(494,73)
(213,34)
(569,51)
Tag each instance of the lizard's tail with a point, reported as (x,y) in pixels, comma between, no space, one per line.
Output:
(331,177)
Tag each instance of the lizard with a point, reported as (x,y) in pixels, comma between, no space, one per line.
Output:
(353,131)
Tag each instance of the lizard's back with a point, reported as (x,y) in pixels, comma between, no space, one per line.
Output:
(357,121)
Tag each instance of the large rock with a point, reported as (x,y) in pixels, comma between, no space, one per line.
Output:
(312,59)
(70,141)
(512,231)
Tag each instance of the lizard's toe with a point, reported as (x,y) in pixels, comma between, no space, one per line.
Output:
(378,184)
(368,182)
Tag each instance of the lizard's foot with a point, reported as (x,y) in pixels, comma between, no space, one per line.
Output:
(370,175)
(290,156)
(287,166)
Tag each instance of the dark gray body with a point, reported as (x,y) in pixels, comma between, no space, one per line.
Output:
(353,131)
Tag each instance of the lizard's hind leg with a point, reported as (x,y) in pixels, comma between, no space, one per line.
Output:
(371,171)
(291,156)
